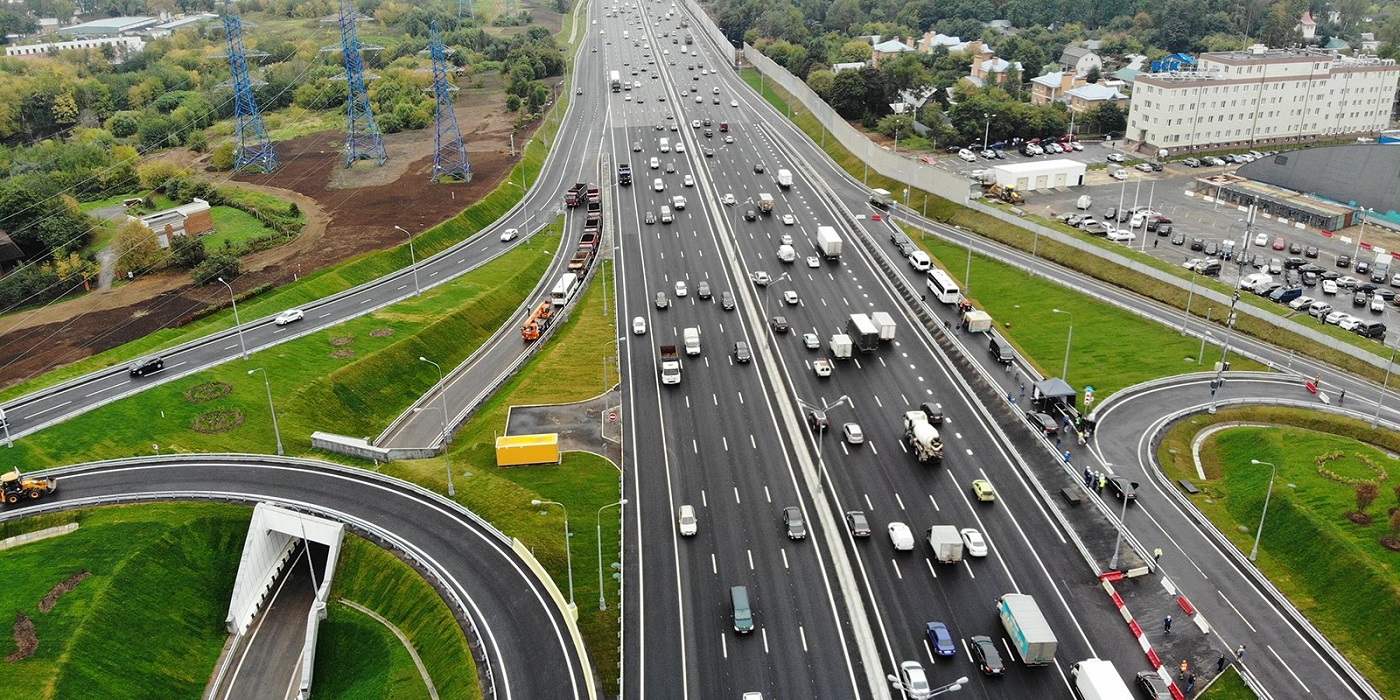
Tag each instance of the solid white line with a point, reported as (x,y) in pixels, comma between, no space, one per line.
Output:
(1243,619)
(1288,668)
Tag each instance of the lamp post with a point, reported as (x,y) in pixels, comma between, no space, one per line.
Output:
(1064,374)
(1359,234)
(1385,385)
(270,407)
(987,132)
(413,261)
(602,600)
(1224,349)
(1253,553)
(1122,523)
(568,549)
(1186,316)
(446,434)
(237,324)
(821,431)
(967,276)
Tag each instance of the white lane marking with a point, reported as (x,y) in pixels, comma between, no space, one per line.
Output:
(1287,667)
(786,565)
(1241,615)
(751,567)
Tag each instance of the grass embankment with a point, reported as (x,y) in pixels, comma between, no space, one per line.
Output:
(148,623)
(954,214)
(1229,686)
(1112,348)
(1336,572)
(570,369)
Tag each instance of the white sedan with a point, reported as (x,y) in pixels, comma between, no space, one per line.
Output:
(972,540)
(813,261)
(689,180)
(680,288)
(728,199)
(789,219)
(733,103)
(509,234)
(1119,174)
(790,297)
(639,326)
(901,537)
(853,434)
(289,316)
(1121,235)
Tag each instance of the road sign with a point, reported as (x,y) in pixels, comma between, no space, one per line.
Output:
(612,416)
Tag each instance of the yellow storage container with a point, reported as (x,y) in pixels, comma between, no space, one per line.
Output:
(517,450)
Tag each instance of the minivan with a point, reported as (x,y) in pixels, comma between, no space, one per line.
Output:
(743,614)
(1370,329)
(920,260)
(665,145)
(666,216)
(1000,349)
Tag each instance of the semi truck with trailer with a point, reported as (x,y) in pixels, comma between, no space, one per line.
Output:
(669,364)
(1026,625)
(924,440)
(828,242)
(863,332)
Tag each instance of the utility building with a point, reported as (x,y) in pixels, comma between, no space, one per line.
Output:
(1040,174)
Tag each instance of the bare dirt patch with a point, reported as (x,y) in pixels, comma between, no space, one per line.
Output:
(68,585)
(26,641)
(349,212)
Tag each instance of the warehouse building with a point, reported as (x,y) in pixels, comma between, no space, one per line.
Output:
(110,26)
(1040,174)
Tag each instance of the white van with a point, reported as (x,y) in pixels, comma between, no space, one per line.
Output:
(920,260)
(666,216)
(692,341)
(786,253)
(1256,282)
(678,202)
(665,145)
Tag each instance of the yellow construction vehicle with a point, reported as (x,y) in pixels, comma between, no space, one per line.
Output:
(15,488)
(1005,194)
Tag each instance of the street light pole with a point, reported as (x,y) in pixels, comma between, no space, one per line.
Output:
(568,548)
(1225,349)
(1064,374)
(1117,544)
(1186,316)
(987,132)
(270,406)
(1385,386)
(446,434)
(237,324)
(1253,553)
(602,600)
(413,261)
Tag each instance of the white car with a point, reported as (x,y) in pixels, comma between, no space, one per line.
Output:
(1145,167)
(680,288)
(655,163)
(1137,221)
(967,156)
(1261,239)
(728,199)
(813,261)
(1377,304)
(1119,174)
(1335,317)
(1349,323)
(627,97)
(1329,286)
(901,537)
(785,239)
(716,91)
(1302,303)
(853,434)
(790,297)
(657,185)
(639,326)
(822,367)
(789,219)
(694,123)
(509,234)
(289,316)
(972,540)
(911,676)
(1121,235)
(1117,158)
(680,147)
(811,341)
(689,525)
(761,278)
(733,103)
(689,181)
(728,138)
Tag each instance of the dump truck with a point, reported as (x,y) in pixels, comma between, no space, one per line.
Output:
(538,321)
(1026,626)
(1096,679)
(828,242)
(946,543)
(885,324)
(595,196)
(575,195)
(589,241)
(583,257)
(765,203)
(841,346)
(669,364)
(881,198)
(923,438)
(863,332)
(15,487)
(784,178)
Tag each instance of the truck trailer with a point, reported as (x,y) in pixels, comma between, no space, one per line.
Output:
(885,324)
(669,364)
(829,242)
(946,543)
(924,440)
(1026,625)
(1096,679)
(863,332)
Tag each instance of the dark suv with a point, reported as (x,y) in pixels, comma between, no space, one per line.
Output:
(145,366)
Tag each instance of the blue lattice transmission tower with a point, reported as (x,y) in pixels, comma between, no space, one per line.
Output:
(449,153)
(253,151)
(362,138)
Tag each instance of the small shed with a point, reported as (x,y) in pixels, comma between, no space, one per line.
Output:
(519,450)
(1040,174)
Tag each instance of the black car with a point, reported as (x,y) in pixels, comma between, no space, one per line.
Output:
(1110,214)
(726,301)
(758,167)
(1152,686)
(1178,239)
(1343,261)
(1164,229)
(741,352)
(1294,263)
(1363,267)
(146,365)
(1212,249)
(1295,248)
(988,658)
(792,520)
(1156,167)
(1123,487)
(1198,244)
(1044,421)
(1310,251)
(1360,299)
(780,324)
(750,215)
(818,420)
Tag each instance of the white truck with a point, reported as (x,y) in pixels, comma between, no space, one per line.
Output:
(1096,679)
(829,242)
(786,253)
(946,543)
(885,323)
(881,198)
(841,346)
(692,341)
(1026,625)
(765,203)
(923,438)
(863,332)
(670,365)
(784,178)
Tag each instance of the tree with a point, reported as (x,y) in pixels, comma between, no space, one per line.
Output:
(223,157)
(848,96)
(216,266)
(1111,118)
(821,82)
(901,124)
(122,124)
(1093,76)
(1280,28)
(1366,493)
(187,251)
(136,249)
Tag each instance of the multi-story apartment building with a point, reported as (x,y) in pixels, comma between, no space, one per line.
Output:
(1261,96)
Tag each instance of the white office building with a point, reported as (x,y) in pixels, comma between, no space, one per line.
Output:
(1261,96)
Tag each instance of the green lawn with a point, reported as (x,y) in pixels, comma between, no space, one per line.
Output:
(1229,686)
(232,227)
(1336,572)
(1111,349)
(357,657)
(149,621)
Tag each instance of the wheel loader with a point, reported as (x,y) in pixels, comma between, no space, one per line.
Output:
(15,488)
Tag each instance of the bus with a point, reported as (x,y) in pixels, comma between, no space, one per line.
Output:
(564,289)
(943,286)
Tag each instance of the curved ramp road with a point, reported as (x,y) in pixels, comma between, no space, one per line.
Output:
(525,649)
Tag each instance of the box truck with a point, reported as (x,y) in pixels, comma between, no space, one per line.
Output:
(1096,679)
(946,543)
(828,242)
(1026,625)
(884,323)
(841,346)
(784,178)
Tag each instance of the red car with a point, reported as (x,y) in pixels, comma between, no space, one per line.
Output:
(1280,244)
